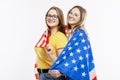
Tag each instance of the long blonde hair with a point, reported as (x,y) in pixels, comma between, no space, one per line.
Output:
(81,23)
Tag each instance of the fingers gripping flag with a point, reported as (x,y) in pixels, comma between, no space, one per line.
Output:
(76,60)
(43,41)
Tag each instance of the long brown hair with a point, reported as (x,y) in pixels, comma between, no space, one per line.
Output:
(83,13)
(60,17)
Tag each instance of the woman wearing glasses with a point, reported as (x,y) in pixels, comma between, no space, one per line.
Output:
(57,40)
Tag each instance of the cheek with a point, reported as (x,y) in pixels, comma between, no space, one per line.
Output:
(68,18)
(57,22)
(77,20)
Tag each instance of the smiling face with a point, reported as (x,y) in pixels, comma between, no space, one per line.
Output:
(73,17)
(52,18)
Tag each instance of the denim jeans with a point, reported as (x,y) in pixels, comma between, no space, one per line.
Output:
(47,76)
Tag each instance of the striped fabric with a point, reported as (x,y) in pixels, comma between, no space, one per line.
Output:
(35,71)
(43,41)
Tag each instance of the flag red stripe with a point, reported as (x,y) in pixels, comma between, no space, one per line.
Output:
(43,40)
(42,44)
(95,78)
(39,41)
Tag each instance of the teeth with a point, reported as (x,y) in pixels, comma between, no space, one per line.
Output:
(51,21)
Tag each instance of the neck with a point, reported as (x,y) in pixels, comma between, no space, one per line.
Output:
(54,30)
(72,28)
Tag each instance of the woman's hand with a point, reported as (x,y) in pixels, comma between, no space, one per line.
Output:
(49,50)
(54,73)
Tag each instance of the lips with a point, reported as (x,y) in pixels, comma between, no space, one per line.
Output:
(70,18)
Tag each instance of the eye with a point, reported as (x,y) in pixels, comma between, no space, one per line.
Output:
(54,16)
(75,14)
(49,15)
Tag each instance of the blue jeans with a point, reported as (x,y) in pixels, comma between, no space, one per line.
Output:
(47,76)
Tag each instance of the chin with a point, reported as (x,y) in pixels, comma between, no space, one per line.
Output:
(51,25)
(71,23)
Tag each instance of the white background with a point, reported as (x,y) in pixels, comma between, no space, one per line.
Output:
(22,23)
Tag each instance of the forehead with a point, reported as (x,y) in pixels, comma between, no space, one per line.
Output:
(75,10)
(52,11)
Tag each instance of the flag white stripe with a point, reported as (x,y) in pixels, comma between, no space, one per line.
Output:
(92,74)
(40,42)
(43,40)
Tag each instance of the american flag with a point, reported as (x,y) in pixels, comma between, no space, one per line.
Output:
(43,41)
(36,72)
(76,60)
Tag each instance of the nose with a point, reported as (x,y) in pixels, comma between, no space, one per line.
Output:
(71,15)
(51,17)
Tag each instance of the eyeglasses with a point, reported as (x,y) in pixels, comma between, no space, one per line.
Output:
(52,16)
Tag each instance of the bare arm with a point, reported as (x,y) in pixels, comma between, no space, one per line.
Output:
(54,73)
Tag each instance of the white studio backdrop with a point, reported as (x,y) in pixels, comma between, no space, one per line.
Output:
(22,23)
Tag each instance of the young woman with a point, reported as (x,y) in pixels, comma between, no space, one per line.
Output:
(77,54)
(56,41)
